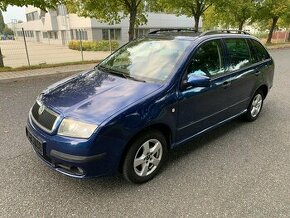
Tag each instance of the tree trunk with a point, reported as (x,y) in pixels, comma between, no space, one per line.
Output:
(196,22)
(1,59)
(132,21)
(270,35)
(241,25)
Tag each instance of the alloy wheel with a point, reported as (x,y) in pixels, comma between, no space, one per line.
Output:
(148,157)
(256,105)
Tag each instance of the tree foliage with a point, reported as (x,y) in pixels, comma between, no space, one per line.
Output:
(284,22)
(112,11)
(7,31)
(271,12)
(190,8)
(2,24)
(234,13)
(43,4)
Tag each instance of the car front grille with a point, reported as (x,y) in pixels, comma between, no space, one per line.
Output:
(43,117)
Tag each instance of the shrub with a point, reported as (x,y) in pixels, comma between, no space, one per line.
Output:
(102,45)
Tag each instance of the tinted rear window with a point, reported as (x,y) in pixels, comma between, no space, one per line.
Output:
(260,51)
(239,53)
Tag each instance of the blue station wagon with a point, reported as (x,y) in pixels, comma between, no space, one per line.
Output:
(150,96)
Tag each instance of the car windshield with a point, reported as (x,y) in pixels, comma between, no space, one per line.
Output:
(146,59)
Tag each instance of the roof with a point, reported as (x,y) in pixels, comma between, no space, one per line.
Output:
(193,34)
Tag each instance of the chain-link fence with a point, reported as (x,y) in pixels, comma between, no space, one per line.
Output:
(26,51)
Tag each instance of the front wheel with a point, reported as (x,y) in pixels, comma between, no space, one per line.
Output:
(255,106)
(145,157)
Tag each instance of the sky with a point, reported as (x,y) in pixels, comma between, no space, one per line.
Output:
(14,12)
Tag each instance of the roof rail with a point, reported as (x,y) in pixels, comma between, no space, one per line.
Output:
(224,31)
(173,30)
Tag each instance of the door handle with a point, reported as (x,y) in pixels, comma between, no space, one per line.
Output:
(258,72)
(226,84)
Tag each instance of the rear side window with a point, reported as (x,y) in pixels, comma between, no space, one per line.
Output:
(261,52)
(239,53)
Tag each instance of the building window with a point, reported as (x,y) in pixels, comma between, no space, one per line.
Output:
(141,32)
(44,35)
(52,34)
(32,16)
(61,10)
(115,34)
(27,33)
(105,34)
(72,34)
(20,33)
(42,14)
(79,34)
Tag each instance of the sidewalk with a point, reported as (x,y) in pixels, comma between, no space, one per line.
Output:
(19,75)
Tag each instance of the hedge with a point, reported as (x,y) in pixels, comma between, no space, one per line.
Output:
(102,45)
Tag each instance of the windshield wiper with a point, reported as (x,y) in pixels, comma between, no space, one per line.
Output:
(133,78)
(112,71)
(119,73)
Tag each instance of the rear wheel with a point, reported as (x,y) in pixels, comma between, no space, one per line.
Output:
(145,157)
(255,106)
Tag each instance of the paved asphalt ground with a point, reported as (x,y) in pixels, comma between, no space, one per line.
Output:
(239,170)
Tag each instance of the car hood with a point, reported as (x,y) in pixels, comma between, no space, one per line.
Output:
(94,96)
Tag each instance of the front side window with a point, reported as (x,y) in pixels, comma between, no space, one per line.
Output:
(207,61)
(239,53)
(147,59)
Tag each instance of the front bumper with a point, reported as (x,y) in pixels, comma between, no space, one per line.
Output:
(72,157)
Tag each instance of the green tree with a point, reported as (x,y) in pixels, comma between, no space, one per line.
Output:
(190,8)
(212,19)
(43,4)
(234,13)
(284,22)
(2,24)
(7,31)
(112,11)
(270,12)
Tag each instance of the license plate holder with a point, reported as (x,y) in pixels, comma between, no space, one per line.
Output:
(36,143)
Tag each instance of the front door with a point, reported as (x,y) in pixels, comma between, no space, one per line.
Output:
(200,108)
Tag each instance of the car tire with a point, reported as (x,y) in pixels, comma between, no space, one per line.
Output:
(255,106)
(145,157)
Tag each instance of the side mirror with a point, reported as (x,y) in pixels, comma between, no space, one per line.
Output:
(197,81)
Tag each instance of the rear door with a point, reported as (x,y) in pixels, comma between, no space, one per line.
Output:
(264,63)
(242,74)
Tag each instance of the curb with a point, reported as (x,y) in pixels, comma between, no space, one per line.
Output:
(278,48)
(16,79)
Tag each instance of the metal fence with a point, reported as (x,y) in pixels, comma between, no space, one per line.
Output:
(281,37)
(26,51)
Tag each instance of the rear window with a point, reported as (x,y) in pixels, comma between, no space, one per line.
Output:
(260,51)
(239,53)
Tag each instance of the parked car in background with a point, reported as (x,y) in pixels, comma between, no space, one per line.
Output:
(7,37)
(150,96)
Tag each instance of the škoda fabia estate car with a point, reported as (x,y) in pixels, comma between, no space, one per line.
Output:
(151,95)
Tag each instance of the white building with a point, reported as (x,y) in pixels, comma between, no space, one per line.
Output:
(59,27)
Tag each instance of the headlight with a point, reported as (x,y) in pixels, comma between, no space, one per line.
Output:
(76,129)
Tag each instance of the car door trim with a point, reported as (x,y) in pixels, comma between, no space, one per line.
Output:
(209,128)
